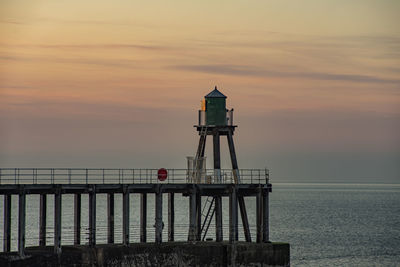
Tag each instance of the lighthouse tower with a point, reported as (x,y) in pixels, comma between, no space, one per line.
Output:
(216,120)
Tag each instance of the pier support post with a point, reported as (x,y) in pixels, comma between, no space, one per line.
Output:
(171,216)
(159,222)
(218,219)
(92,216)
(7,224)
(57,221)
(77,219)
(198,216)
(266,216)
(42,219)
(259,214)
(233,216)
(143,217)
(232,152)
(110,218)
(125,216)
(217,157)
(21,223)
(245,222)
(192,216)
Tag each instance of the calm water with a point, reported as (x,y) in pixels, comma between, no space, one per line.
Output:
(338,224)
(325,224)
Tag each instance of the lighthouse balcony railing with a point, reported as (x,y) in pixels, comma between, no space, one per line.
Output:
(203,117)
(14,176)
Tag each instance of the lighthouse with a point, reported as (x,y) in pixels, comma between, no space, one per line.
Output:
(215,120)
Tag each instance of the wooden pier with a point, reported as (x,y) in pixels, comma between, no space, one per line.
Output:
(195,193)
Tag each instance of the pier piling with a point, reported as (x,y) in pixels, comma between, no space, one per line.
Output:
(42,219)
(259,213)
(158,222)
(21,223)
(7,223)
(92,217)
(125,217)
(143,217)
(171,216)
(218,219)
(110,218)
(192,216)
(77,219)
(233,216)
(57,221)
(265,216)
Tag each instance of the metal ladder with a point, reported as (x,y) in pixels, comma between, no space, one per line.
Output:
(208,216)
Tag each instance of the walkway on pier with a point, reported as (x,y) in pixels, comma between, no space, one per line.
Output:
(125,176)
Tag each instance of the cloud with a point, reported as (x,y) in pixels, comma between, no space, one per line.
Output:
(226,69)
(92,46)
(12,21)
(69,21)
(123,63)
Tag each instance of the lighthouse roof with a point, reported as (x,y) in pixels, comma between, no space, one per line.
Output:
(215,93)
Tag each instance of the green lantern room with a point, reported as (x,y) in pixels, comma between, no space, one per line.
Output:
(213,110)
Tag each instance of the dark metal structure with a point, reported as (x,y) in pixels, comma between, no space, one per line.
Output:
(218,122)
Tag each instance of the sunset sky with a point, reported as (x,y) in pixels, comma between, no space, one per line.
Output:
(315,85)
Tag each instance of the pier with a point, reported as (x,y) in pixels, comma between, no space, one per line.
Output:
(59,182)
(128,182)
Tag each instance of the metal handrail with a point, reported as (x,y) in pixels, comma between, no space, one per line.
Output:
(124,176)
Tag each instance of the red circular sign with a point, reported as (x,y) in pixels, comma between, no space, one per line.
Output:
(162,174)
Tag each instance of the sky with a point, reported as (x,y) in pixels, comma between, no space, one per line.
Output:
(315,85)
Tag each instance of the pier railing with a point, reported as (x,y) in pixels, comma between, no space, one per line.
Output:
(128,176)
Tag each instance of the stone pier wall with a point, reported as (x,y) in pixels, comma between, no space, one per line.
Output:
(150,254)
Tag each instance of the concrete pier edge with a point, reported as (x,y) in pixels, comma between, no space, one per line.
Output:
(153,254)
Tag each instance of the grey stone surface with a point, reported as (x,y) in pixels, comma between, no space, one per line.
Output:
(151,254)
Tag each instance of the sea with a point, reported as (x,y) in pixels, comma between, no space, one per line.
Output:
(325,224)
